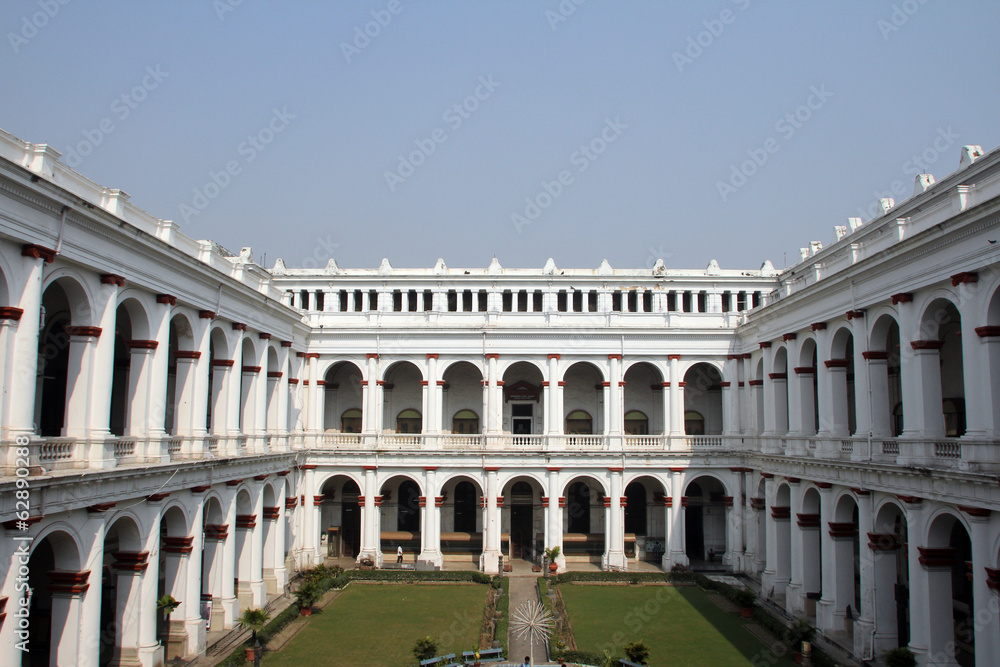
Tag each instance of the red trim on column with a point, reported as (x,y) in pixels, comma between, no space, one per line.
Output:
(251,369)
(861,492)
(946,557)
(274,374)
(739,384)
(623,501)
(167,299)
(674,357)
(371,355)
(793,480)
(607,502)
(271,513)
(492,355)
(781,513)
(901,297)
(201,489)
(286,343)
(988,331)
(112,279)
(883,542)
(805,370)
(11,313)
(747,355)
(555,356)
(100,507)
(239,326)
(283,473)
(545,501)
(615,356)
(684,501)
(875,354)
(291,502)
(499,501)
(778,376)
(188,354)
(619,469)
(156,497)
(216,531)
(67,583)
(307,466)
(432,356)
(725,384)
(131,561)
(369,467)
(682,384)
(836,363)
(178,545)
(562,501)
(206,314)
(294,381)
(818,326)
(38,252)
(980,512)
(677,469)
(246,521)
(438,501)
(757,503)
(727,501)
(668,501)
(765,344)
(789,336)
(823,485)
(734,357)
(378,501)
(553,469)
(767,475)
(926,344)
(264,336)
(964,278)
(223,363)
(756,383)
(842,529)
(740,469)
(992,578)
(855,314)
(318,500)
(361,501)
(807,520)
(89,332)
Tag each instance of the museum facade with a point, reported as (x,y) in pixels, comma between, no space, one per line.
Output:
(179,420)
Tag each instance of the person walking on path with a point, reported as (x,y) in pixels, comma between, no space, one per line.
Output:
(399,554)
(527,662)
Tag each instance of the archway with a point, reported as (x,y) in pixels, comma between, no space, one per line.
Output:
(340,517)
(125,564)
(950,600)
(522,519)
(342,397)
(706,507)
(840,368)
(216,533)
(643,398)
(524,404)
(401,521)
(808,521)
(175,545)
(56,592)
(645,519)
(462,399)
(461,521)
(583,401)
(779,385)
(703,395)
(65,305)
(585,533)
(886,383)
(890,560)
(808,387)
(781,514)
(847,561)
(403,399)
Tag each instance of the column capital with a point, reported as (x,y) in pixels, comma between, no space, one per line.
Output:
(68,583)
(38,252)
(83,332)
(166,299)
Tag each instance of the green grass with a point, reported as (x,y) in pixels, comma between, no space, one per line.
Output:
(377,625)
(681,626)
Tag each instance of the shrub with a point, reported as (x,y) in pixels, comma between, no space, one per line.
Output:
(899,657)
(637,652)
(480,578)
(425,648)
(744,598)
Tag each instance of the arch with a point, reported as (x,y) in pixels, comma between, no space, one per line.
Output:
(840,369)
(779,383)
(137,314)
(889,546)
(808,394)
(810,535)
(951,599)
(462,391)
(583,367)
(53,552)
(643,394)
(401,366)
(646,529)
(402,390)
(79,300)
(579,422)
(343,393)
(524,401)
(409,421)
(584,528)
(340,515)
(705,535)
(780,513)
(522,511)
(584,392)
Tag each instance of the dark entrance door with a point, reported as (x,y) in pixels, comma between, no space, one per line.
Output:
(694,532)
(350,522)
(520,531)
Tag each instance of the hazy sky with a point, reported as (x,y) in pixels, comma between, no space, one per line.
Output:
(580,130)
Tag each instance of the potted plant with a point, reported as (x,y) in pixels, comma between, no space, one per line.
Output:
(167,604)
(745,598)
(306,596)
(551,553)
(800,632)
(255,620)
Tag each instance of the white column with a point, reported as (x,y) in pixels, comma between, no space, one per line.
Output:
(978,393)
(984,600)
(922,413)
(770,399)
(139,382)
(102,361)
(826,609)
(878,371)
(150,651)
(494,407)
(770,573)
(429,532)
(227,551)
(80,393)
(676,401)
(553,515)
(491,527)
(862,413)
(676,532)
(864,626)
(315,394)
(614,534)
(616,416)
(194,625)
(794,595)
(159,326)
(283,397)
(370,533)
(234,393)
(553,401)
(434,418)
(22,370)
(309,540)
(258,592)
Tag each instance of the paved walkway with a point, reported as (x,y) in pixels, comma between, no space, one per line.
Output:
(523,590)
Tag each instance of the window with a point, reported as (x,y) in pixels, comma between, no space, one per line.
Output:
(465,422)
(636,423)
(579,422)
(409,421)
(350,421)
(694,423)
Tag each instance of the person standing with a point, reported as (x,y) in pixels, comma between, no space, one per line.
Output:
(527,662)
(399,554)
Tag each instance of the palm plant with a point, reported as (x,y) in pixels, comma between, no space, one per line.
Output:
(255,620)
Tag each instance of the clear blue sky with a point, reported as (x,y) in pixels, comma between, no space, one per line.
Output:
(664,120)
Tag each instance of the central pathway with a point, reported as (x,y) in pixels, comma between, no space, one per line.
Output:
(523,590)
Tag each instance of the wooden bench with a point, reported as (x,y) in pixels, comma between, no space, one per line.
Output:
(486,655)
(441,661)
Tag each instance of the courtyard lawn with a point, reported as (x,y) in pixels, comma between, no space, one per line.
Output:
(681,626)
(377,625)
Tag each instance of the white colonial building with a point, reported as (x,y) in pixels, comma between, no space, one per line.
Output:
(178,420)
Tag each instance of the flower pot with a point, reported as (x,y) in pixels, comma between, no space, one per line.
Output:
(250,655)
(553,567)
(306,611)
(746,612)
